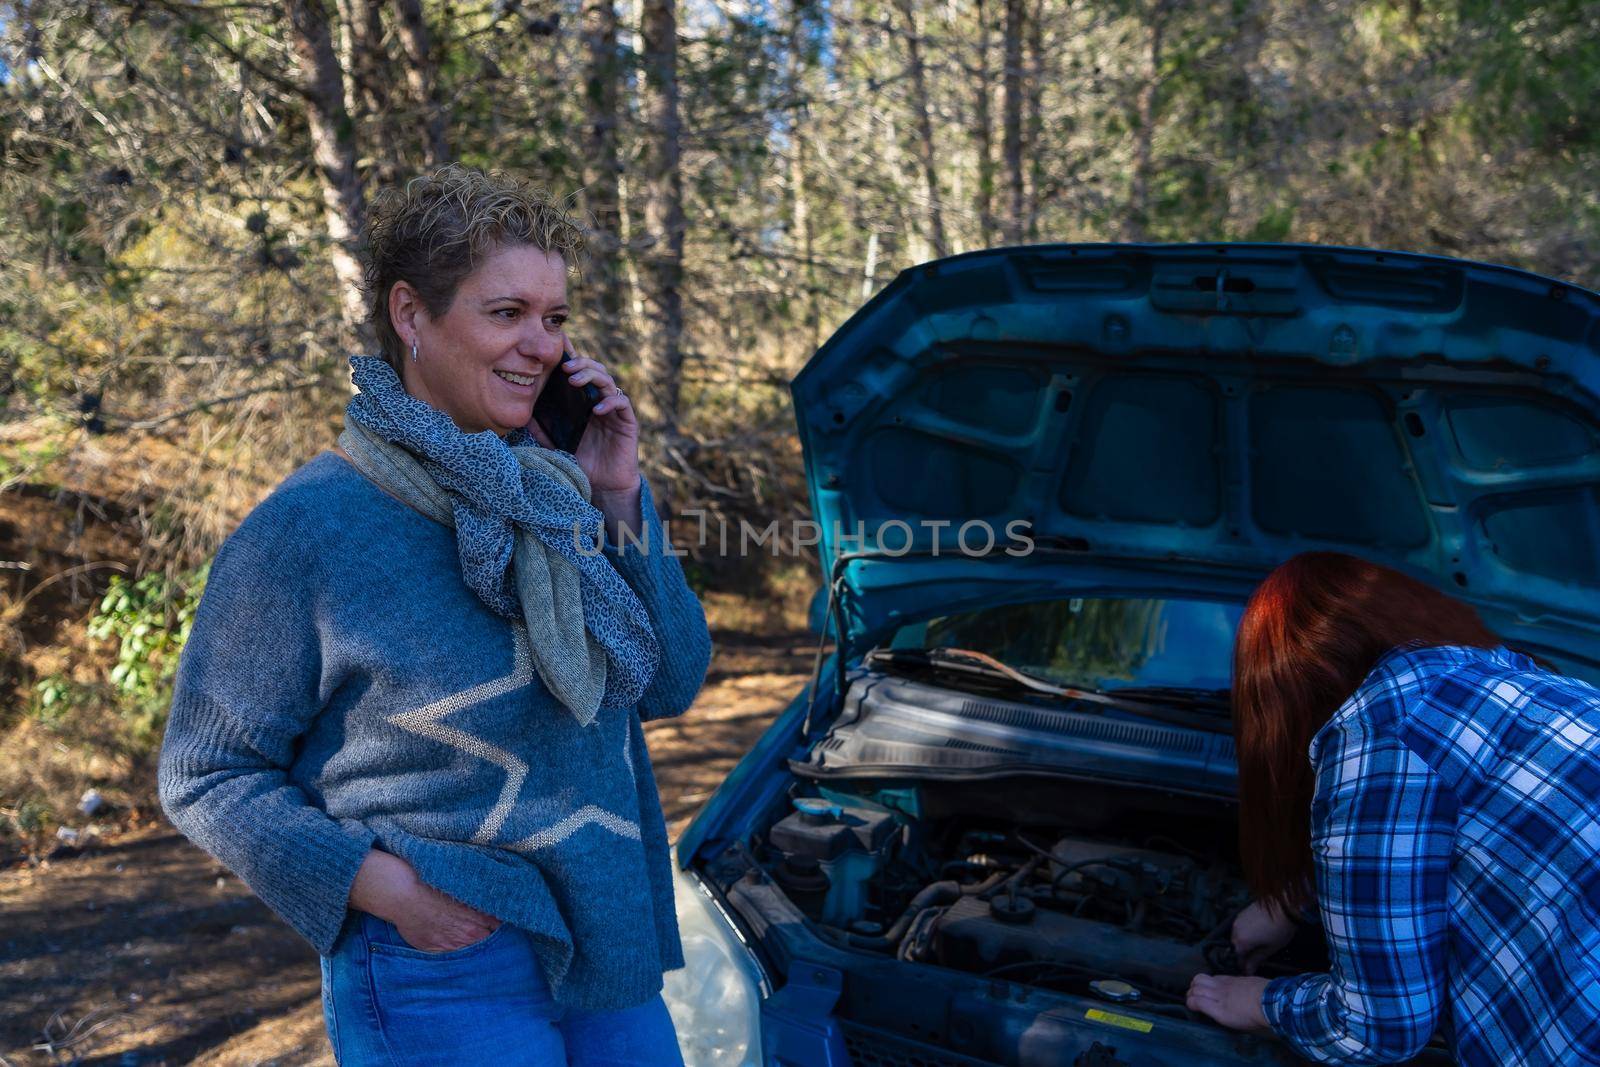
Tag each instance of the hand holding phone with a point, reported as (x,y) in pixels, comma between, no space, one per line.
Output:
(585,413)
(562,410)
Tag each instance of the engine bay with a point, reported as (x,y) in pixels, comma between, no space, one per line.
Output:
(967,880)
(1094,889)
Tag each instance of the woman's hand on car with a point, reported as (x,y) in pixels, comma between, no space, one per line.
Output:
(388,887)
(1259,931)
(1233,1002)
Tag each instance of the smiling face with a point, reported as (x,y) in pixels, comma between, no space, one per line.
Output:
(485,360)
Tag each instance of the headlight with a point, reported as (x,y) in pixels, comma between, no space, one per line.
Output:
(715,999)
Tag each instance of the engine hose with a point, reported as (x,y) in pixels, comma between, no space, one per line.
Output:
(979,888)
(942,892)
(987,891)
(1114,862)
(934,893)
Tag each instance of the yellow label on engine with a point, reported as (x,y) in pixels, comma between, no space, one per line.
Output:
(1124,1021)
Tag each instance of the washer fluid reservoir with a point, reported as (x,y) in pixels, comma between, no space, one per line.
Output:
(850,844)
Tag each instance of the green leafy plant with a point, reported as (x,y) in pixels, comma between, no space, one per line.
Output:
(149,618)
(32,815)
(53,697)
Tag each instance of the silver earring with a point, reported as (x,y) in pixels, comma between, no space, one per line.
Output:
(413,351)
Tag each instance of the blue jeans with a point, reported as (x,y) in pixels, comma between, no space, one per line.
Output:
(387,1003)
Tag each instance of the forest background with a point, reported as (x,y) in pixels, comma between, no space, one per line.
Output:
(184,185)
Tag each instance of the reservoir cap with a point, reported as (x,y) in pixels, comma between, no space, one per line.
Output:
(1114,990)
(816,809)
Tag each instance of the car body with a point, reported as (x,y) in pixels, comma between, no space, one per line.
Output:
(1166,423)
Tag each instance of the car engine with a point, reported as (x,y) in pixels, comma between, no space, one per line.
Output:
(1125,903)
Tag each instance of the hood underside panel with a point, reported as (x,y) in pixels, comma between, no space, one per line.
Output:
(1438,416)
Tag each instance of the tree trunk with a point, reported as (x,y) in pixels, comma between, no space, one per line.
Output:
(1013,121)
(985,130)
(345,51)
(601,85)
(372,55)
(1251,129)
(374,97)
(364,61)
(664,221)
(926,151)
(1033,136)
(799,202)
(333,146)
(422,76)
(907,238)
(30,50)
(1138,221)
(869,269)
(627,212)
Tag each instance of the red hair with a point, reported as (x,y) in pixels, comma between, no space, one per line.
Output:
(1309,636)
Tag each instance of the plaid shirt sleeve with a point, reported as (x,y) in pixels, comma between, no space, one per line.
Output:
(1381,835)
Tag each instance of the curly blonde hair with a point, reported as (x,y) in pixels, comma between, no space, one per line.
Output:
(439,227)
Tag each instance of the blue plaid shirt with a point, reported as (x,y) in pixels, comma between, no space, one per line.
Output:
(1456,831)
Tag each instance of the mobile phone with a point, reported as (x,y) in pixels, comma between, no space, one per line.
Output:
(563,409)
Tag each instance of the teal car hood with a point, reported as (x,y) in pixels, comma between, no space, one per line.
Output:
(1177,420)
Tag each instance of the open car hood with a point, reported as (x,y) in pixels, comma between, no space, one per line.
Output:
(1180,419)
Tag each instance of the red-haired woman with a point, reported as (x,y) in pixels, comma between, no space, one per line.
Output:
(1446,826)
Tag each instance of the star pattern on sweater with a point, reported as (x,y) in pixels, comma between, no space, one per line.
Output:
(426,722)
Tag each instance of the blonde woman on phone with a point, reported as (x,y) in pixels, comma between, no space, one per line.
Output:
(408,714)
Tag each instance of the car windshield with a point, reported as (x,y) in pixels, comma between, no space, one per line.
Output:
(1097,643)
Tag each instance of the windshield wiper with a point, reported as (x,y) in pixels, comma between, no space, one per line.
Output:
(970,661)
(1182,695)
(963,660)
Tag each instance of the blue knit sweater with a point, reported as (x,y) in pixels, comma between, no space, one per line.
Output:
(342,687)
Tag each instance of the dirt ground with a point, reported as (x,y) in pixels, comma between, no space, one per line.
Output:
(143,950)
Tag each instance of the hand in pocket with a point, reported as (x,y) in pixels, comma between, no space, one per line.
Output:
(433,922)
